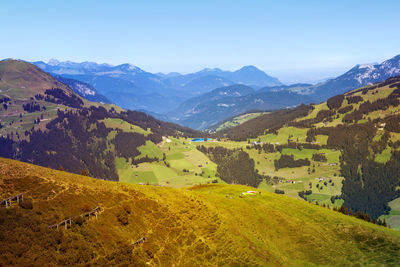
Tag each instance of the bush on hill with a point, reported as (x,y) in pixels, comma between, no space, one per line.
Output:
(335,102)
(354,99)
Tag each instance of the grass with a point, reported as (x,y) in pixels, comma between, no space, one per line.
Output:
(295,134)
(384,156)
(151,150)
(206,225)
(124,126)
(393,218)
(239,120)
(180,154)
(314,112)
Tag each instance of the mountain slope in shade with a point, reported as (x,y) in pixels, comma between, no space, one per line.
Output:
(83,89)
(210,108)
(195,227)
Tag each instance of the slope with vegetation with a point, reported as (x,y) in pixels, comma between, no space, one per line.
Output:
(343,151)
(43,121)
(205,225)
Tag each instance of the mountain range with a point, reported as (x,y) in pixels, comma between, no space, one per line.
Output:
(181,98)
(133,88)
(358,76)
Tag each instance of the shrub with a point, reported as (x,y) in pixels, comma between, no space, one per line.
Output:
(319,157)
(278,191)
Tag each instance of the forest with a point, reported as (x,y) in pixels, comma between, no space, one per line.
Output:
(234,166)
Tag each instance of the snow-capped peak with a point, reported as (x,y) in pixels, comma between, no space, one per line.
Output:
(367,66)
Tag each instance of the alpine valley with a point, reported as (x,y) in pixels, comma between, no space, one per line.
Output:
(275,181)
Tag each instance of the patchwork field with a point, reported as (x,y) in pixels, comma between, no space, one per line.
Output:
(184,165)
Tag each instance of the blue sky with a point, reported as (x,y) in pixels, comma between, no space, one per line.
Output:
(289,39)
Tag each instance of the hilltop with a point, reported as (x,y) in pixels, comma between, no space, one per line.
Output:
(30,97)
(203,225)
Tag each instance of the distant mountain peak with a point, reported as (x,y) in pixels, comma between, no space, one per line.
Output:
(53,62)
(210,70)
(249,68)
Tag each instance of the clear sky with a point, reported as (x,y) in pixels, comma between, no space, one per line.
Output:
(287,39)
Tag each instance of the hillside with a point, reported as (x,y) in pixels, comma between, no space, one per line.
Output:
(84,90)
(42,121)
(216,106)
(202,225)
(235,121)
(30,97)
(343,151)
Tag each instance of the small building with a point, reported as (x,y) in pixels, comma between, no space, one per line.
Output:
(332,163)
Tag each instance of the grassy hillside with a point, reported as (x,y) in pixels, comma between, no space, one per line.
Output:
(360,127)
(24,84)
(183,165)
(235,121)
(205,225)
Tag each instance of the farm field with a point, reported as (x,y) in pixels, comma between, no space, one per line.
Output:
(181,154)
(184,165)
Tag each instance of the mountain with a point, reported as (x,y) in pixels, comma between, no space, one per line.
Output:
(139,225)
(252,76)
(30,97)
(21,80)
(358,76)
(84,90)
(210,108)
(133,88)
(126,85)
(214,78)
(43,121)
